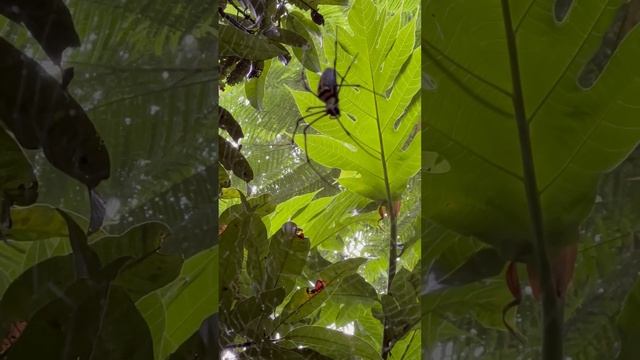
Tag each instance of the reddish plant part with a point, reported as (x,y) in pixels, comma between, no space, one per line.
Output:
(320,285)
(382,210)
(513,283)
(11,337)
(562,266)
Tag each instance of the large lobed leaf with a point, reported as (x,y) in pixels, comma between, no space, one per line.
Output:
(386,63)
(579,129)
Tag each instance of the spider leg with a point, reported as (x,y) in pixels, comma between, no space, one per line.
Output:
(301,120)
(306,151)
(346,72)
(363,88)
(360,144)
(315,107)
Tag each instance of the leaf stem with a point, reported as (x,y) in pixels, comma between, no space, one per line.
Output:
(551,306)
(386,346)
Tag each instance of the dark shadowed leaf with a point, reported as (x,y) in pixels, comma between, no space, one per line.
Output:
(229,124)
(48,21)
(18,183)
(53,121)
(86,261)
(627,323)
(201,345)
(88,321)
(231,158)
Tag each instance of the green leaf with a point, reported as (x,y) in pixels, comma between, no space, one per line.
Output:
(287,257)
(438,329)
(241,317)
(234,42)
(202,344)
(87,264)
(18,182)
(302,304)
(484,300)
(142,276)
(332,343)
(34,288)
(152,309)
(37,222)
(307,55)
(257,245)
(286,210)
(457,260)
(189,299)
(396,114)
(401,306)
(88,321)
(471,122)
(627,323)
(325,217)
(408,347)
(254,88)
(341,269)
(287,37)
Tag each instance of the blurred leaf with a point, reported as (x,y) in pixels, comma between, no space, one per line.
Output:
(40,17)
(37,222)
(18,183)
(189,299)
(627,323)
(99,322)
(483,299)
(69,140)
(201,345)
(86,262)
(34,288)
(572,148)
(437,329)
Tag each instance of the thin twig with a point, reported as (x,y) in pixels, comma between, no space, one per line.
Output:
(551,306)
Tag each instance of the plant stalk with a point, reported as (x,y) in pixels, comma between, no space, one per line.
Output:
(551,306)
(393,220)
